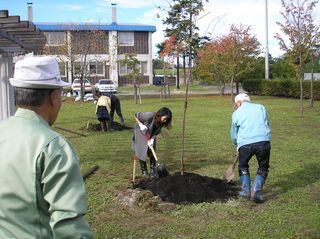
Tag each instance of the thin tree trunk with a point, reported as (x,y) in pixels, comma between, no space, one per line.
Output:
(186,97)
(311,83)
(232,81)
(184,69)
(135,91)
(301,83)
(178,73)
(139,93)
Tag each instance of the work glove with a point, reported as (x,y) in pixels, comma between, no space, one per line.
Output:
(150,142)
(142,127)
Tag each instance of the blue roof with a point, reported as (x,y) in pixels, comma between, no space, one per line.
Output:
(63,26)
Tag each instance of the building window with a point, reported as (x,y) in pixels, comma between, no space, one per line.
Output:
(62,67)
(96,68)
(143,68)
(56,38)
(123,69)
(126,38)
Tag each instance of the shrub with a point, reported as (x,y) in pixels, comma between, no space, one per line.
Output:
(281,87)
(253,86)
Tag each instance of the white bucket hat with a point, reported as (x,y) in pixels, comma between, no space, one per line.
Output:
(37,73)
(242,97)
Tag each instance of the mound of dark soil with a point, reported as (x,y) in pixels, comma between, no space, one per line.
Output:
(190,188)
(114,126)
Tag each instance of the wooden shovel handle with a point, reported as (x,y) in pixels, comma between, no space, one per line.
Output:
(154,153)
(134,169)
(235,161)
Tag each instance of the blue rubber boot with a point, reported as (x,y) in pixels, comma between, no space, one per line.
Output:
(245,185)
(256,189)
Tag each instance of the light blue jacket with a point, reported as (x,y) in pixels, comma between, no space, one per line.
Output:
(250,124)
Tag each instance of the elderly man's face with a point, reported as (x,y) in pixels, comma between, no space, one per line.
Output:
(237,104)
(55,98)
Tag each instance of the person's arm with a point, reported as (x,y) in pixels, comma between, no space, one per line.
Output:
(142,127)
(63,189)
(234,131)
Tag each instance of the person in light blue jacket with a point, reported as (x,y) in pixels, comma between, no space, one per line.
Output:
(250,132)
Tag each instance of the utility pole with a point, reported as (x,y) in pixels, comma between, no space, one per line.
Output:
(267,46)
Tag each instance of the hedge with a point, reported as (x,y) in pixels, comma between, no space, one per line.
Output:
(281,87)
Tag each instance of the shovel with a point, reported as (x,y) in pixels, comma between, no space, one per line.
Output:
(161,170)
(229,173)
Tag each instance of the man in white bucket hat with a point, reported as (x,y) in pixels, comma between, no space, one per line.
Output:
(250,131)
(42,191)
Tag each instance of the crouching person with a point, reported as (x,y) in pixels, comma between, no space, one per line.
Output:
(250,131)
(102,112)
(148,126)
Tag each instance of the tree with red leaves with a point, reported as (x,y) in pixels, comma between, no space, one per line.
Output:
(227,58)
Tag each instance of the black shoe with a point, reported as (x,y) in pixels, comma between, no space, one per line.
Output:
(153,172)
(143,166)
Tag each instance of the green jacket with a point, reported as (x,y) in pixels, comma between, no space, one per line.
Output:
(42,193)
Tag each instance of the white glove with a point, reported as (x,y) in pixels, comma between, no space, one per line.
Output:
(142,127)
(150,142)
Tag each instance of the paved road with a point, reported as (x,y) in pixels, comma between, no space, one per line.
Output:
(209,90)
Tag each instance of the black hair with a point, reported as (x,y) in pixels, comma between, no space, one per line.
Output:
(164,111)
(30,97)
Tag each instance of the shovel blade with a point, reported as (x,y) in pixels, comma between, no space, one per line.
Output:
(229,174)
(161,170)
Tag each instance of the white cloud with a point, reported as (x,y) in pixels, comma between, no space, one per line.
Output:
(128,3)
(70,7)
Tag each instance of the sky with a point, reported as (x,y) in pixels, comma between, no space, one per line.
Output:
(215,20)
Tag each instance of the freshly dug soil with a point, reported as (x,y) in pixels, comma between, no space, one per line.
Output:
(189,188)
(114,126)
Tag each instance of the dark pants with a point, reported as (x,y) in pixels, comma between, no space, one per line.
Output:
(262,151)
(115,105)
(152,158)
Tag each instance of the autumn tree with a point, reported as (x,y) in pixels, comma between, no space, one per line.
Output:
(133,73)
(301,34)
(214,62)
(229,57)
(181,22)
(169,51)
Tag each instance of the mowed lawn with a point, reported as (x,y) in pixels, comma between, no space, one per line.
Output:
(292,190)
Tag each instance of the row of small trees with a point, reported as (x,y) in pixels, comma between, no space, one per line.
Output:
(229,58)
(226,58)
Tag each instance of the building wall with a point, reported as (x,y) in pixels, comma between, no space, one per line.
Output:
(140,44)
(99,50)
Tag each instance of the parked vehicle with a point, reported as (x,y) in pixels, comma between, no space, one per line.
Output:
(106,85)
(158,80)
(76,85)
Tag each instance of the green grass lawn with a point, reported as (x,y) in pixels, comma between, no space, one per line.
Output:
(292,190)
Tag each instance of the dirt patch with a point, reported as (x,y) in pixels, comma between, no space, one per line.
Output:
(114,126)
(189,188)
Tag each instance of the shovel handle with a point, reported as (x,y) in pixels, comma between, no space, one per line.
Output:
(235,161)
(134,170)
(154,153)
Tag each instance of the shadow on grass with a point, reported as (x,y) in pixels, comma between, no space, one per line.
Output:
(301,178)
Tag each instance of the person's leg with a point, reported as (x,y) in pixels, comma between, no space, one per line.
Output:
(111,113)
(103,125)
(143,166)
(153,172)
(244,154)
(118,110)
(263,157)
